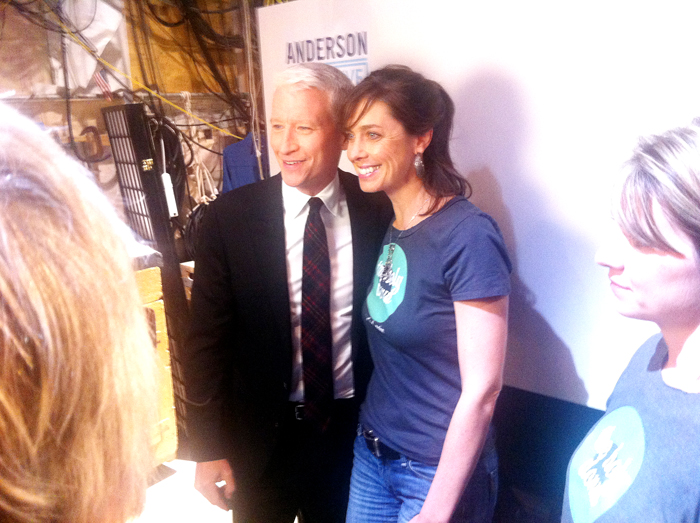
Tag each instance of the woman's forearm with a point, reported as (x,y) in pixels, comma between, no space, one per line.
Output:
(481,341)
(463,443)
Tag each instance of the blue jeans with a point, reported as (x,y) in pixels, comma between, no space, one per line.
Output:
(390,491)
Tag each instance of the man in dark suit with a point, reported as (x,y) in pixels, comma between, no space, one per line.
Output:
(248,422)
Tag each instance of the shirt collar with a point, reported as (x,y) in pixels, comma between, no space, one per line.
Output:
(295,201)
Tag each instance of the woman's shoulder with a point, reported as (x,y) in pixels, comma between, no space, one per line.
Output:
(647,361)
(650,356)
(459,215)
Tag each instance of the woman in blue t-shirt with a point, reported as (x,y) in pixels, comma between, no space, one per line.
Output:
(436,315)
(641,461)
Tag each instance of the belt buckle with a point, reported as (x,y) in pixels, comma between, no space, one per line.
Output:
(299,412)
(369,436)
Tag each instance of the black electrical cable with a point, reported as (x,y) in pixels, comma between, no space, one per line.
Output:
(233,100)
(165,23)
(174,164)
(203,28)
(194,142)
(155,71)
(196,63)
(35,18)
(220,11)
(189,213)
(137,46)
(228,97)
(179,133)
(221,54)
(89,46)
(191,229)
(165,121)
(190,141)
(38,18)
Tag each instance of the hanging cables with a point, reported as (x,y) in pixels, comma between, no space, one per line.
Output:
(46,14)
(206,190)
(209,41)
(165,23)
(135,82)
(252,84)
(204,182)
(138,21)
(233,7)
(201,26)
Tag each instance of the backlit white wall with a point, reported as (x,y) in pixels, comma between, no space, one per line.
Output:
(551,96)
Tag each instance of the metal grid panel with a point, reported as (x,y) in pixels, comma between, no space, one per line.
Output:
(146,211)
(129,175)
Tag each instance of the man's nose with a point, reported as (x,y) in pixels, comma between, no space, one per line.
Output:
(289,141)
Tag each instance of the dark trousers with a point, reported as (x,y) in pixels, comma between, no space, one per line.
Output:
(308,474)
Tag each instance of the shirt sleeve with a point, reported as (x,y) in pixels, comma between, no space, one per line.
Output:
(477,265)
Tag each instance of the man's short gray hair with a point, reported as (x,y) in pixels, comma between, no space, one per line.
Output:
(319,76)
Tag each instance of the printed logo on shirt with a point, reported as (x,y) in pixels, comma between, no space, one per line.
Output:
(605,465)
(388,286)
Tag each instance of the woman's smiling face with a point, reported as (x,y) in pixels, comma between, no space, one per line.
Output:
(381,150)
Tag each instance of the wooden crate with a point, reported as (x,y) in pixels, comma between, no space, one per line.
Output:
(165,433)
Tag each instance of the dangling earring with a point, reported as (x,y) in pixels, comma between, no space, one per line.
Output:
(419,165)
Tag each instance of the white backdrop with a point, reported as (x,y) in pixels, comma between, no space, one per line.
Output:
(551,96)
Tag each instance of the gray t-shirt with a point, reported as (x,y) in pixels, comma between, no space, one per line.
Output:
(456,254)
(641,462)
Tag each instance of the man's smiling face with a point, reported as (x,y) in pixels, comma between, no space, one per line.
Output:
(304,138)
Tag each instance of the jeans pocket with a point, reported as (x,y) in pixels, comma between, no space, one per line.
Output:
(422,470)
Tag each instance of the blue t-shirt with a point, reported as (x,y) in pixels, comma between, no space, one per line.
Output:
(641,462)
(454,255)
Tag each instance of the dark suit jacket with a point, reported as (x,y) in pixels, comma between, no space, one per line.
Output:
(238,358)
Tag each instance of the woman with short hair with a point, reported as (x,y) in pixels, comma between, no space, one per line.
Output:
(641,461)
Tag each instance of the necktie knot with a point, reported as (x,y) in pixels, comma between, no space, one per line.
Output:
(315,204)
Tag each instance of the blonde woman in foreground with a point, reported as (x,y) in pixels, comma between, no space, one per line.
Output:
(77,380)
(641,461)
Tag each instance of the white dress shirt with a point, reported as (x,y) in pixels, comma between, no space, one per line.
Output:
(336,218)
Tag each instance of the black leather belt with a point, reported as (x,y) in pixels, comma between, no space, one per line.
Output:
(376,447)
(342,408)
